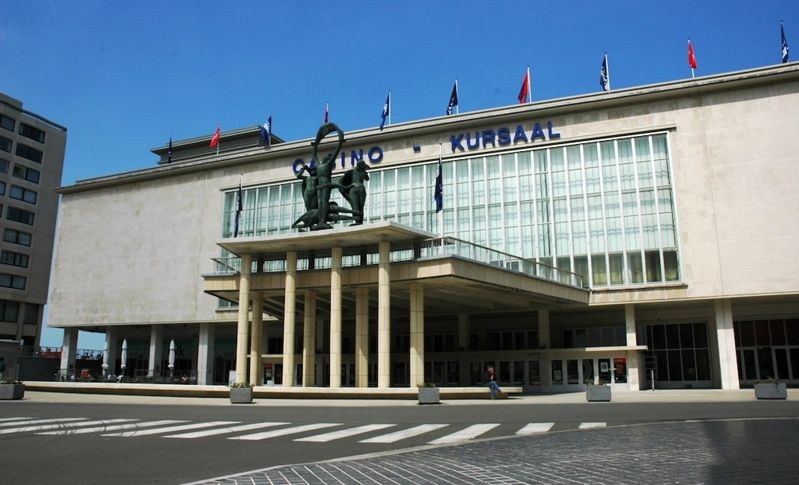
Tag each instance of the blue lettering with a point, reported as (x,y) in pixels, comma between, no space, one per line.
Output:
(456,142)
(375,155)
(552,134)
(488,137)
(538,132)
(356,157)
(476,144)
(343,159)
(296,165)
(503,136)
(520,134)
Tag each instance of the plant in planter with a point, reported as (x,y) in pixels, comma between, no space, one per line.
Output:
(12,390)
(771,389)
(240,394)
(597,392)
(429,393)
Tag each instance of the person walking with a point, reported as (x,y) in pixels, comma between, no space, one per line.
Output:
(493,387)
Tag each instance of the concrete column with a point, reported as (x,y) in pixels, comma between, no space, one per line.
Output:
(111,342)
(725,344)
(322,328)
(463,345)
(633,356)
(335,317)
(384,317)
(543,329)
(156,351)
(417,335)
(244,314)
(205,354)
(69,350)
(309,340)
(362,337)
(289,319)
(257,340)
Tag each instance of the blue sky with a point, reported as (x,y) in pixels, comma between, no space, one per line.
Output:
(123,76)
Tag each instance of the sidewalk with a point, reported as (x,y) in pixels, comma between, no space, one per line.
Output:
(659,396)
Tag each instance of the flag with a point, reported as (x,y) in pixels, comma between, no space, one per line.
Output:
(438,194)
(453,99)
(524,93)
(604,74)
(691,55)
(169,152)
(215,139)
(386,111)
(784,45)
(327,113)
(266,132)
(239,209)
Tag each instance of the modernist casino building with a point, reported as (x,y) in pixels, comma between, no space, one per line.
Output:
(642,234)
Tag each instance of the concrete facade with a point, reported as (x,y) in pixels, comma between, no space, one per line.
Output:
(732,170)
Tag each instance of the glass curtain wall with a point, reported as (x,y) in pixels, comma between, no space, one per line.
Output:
(603,209)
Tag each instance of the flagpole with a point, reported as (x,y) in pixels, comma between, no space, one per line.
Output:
(441,212)
(389,107)
(218,142)
(458,96)
(607,63)
(529,86)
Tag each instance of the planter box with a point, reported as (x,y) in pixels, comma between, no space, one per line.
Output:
(12,391)
(771,390)
(241,395)
(429,395)
(597,393)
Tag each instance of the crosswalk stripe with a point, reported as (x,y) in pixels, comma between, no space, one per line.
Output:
(231,429)
(533,428)
(100,429)
(39,421)
(465,434)
(404,434)
(283,432)
(11,419)
(589,425)
(344,433)
(28,429)
(169,429)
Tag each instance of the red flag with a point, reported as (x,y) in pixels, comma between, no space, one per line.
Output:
(525,91)
(691,56)
(215,138)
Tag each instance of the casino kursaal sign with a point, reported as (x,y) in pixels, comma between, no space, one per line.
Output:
(467,141)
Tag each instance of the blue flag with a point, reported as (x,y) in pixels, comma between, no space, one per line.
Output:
(453,99)
(239,209)
(604,75)
(438,194)
(386,110)
(784,45)
(266,132)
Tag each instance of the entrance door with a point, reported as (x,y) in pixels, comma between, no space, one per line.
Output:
(604,371)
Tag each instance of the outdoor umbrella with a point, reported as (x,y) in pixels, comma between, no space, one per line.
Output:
(124,357)
(171,356)
(105,359)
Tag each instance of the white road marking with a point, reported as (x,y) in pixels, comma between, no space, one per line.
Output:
(40,421)
(589,425)
(535,428)
(231,429)
(465,434)
(100,429)
(11,419)
(284,431)
(29,429)
(344,433)
(405,433)
(169,429)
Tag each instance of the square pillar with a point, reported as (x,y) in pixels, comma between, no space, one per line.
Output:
(69,350)
(243,321)
(257,340)
(384,316)
(362,337)
(110,364)
(309,340)
(633,356)
(205,354)
(463,346)
(417,335)
(289,319)
(725,344)
(543,329)
(335,317)
(156,351)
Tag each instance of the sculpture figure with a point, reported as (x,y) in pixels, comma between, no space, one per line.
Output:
(353,189)
(324,172)
(309,184)
(310,219)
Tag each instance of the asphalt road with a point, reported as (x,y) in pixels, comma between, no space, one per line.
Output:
(134,457)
